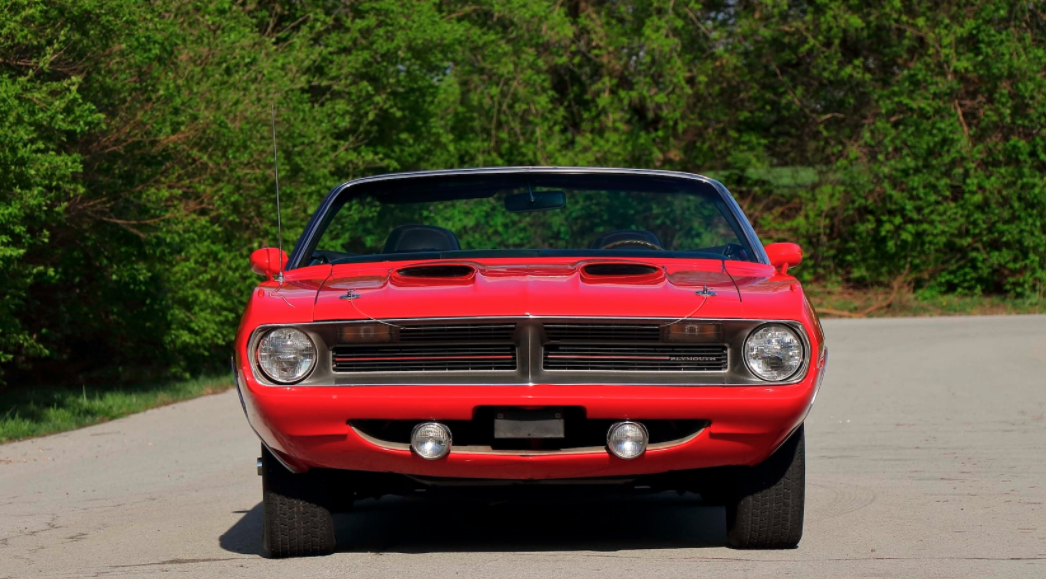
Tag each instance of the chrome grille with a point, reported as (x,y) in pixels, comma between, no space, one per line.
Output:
(636,358)
(618,351)
(427,358)
(457,333)
(603,332)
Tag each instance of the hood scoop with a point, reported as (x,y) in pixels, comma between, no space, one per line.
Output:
(621,272)
(434,274)
(438,271)
(619,269)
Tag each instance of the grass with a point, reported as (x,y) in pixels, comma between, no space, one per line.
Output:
(42,410)
(850,303)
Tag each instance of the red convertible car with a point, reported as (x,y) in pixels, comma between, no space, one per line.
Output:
(529,327)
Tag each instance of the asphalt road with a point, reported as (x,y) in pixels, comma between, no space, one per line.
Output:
(926,458)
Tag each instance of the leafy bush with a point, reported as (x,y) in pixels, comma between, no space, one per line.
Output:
(893,140)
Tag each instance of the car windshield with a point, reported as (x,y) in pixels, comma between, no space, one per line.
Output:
(527,215)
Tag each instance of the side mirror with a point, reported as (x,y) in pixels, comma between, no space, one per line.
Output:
(268,261)
(784,255)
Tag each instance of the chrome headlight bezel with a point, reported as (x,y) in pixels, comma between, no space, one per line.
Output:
(800,339)
(260,341)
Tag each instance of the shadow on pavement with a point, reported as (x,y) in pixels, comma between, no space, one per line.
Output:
(245,537)
(661,521)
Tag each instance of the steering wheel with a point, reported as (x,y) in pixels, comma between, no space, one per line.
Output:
(319,259)
(640,242)
(735,251)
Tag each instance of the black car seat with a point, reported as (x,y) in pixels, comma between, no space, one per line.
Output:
(623,234)
(419,238)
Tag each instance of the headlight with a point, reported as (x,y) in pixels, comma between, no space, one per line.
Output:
(286,355)
(774,352)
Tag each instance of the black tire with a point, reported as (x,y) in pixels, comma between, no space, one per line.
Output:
(297,522)
(766,512)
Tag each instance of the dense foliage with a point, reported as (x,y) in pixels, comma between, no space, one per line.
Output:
(894,140)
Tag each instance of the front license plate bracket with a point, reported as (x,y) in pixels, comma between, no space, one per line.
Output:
(529,424)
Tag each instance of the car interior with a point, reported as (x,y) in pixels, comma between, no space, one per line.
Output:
(420,238)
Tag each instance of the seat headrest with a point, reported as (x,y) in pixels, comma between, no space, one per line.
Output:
(418,238)
(623,234)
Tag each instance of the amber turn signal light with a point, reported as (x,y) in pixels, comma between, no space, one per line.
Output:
(692,332)
(368,333)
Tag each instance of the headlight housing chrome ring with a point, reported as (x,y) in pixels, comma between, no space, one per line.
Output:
(774,352)
(285,355)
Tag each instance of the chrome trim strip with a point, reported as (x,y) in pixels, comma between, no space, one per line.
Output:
(431,481)
(411,358)
(580,357)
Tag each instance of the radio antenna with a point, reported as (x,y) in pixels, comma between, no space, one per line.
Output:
(279,223)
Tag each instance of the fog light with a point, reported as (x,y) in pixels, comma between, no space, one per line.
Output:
(627,440)
(431,440)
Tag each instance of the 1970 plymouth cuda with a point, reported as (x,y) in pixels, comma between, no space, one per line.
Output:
(529,327)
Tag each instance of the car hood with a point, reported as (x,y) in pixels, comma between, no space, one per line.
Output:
(579,288)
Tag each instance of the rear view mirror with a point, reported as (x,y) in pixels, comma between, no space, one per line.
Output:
(535,201)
